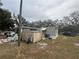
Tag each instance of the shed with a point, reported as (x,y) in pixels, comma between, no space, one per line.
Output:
(30,34)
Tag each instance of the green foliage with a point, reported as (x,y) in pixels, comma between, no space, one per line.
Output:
(70,23)
(44,23)
(6,23)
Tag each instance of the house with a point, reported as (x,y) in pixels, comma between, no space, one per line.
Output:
(52,32)
(31,34)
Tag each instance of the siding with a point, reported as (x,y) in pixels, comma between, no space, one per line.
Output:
(35,35)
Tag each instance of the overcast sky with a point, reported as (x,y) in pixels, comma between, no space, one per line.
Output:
(42,9)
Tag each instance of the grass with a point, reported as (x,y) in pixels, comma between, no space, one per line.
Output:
(61,48)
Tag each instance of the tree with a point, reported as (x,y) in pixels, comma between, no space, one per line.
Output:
(23,20)
(0,3)
(75,17)
(6,23)
(44,23)
(70,23)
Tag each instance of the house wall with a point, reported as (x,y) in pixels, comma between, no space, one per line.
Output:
(35,35)
(25,34)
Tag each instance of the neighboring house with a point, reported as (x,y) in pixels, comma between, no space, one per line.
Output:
(52,32)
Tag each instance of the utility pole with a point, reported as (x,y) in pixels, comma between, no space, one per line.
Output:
(20,24)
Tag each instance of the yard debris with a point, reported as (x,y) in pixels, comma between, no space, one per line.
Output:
(3,41)
(42,45)
(13,38)
(76,44)
(0,42)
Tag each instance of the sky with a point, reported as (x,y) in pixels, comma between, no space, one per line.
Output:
(34,10)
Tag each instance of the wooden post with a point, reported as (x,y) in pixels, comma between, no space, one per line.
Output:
(20,24)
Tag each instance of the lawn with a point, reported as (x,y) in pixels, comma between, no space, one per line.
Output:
(63,47)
